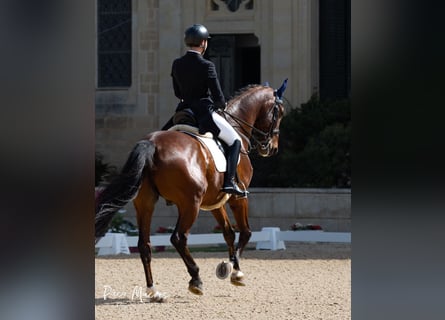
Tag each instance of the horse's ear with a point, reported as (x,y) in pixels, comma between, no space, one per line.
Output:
(280,91)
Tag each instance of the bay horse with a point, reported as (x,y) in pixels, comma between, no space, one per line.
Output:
(177,167)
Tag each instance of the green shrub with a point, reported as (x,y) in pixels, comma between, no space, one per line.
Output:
(103,170)
(315,148)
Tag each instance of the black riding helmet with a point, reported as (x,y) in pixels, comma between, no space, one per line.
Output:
(194,35)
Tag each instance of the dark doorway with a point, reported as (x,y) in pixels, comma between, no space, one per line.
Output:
(335,49)
(237,59)
(248,71)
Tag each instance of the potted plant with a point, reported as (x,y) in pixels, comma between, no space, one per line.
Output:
(298,226)
(121,225)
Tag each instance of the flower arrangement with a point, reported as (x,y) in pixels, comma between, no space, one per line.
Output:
(165,230)
(120,225)
(298,226)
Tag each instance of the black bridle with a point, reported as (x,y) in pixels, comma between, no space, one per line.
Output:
(265,136)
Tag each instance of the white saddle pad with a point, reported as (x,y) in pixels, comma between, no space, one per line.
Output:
(208,141)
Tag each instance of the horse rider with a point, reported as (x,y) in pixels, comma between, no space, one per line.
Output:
(196,84)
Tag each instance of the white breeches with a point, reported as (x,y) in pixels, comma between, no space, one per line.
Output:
(227,134)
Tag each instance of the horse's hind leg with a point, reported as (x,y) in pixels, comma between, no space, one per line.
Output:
(144,204)
(187,216)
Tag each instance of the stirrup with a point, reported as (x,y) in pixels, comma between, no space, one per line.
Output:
(244,195)
(234,189)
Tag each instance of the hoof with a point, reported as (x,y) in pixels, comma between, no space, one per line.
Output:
(238,283)
(156,296)
(196,290)
(223,270)
(237,278)
(195,287)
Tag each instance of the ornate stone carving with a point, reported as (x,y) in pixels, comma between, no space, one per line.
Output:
(232,5)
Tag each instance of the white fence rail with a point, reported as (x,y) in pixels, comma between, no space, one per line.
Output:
(266,239)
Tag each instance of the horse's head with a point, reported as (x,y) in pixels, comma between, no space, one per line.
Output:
(266,137)
(258,112)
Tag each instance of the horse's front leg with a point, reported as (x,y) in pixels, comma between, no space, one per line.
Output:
(233,267)
(221,217)
(239,207)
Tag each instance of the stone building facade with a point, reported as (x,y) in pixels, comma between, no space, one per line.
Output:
(253,41)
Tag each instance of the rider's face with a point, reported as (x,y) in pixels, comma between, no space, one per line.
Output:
(203,46)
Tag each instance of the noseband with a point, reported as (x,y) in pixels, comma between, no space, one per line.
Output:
(266,137)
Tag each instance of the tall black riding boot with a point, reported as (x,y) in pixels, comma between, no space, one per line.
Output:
(230,185)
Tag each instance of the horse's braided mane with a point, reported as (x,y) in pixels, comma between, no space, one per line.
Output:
(243,90)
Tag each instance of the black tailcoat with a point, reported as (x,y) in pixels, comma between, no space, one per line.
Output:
(196,83)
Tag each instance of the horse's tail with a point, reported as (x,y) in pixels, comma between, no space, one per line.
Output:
(124,187)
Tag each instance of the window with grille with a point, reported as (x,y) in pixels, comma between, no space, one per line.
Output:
(114,43)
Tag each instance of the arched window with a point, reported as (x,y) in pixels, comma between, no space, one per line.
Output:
(114,43)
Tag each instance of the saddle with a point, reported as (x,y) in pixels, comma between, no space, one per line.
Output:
(184,120)
(185,116)
(214,146)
